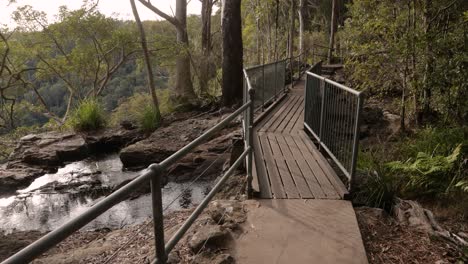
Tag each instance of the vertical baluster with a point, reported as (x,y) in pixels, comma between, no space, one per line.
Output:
(158,225)
(356,139)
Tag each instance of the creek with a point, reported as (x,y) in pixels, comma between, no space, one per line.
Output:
(53,199)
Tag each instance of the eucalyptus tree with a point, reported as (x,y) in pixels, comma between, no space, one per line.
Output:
(83,49)
(183,89)
(232,52)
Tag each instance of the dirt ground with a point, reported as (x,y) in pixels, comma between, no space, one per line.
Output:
(386,241)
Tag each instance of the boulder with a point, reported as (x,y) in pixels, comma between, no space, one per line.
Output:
(112,140)
(211,236)
(50,149)
(15,178)
(164,142)
(36,155)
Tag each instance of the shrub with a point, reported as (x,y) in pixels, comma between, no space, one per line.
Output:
(88,116)
(378,188)
(138,109)
(149,119)
(432,174)
(434,141)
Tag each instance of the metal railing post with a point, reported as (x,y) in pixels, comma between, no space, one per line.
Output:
(263,87)
(158,223)
(322,89)
(250,144)
(276,79)
(355,142)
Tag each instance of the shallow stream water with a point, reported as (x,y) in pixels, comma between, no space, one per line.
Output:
(53,199)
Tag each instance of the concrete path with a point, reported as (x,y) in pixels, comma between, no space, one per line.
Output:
(300,231)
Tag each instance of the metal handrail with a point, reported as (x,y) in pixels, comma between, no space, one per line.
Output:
(332,116)
(153,174)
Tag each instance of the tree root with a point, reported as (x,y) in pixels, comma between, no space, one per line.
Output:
(411,213)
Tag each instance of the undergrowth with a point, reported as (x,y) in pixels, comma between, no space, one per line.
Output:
(431,164)
(89,115)
(138,109)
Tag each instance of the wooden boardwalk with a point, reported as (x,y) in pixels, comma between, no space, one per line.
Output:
(287,164)
(301,216)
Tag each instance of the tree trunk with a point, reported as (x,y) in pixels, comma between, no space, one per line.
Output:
(291,39)
(205,61)
(301,26)
(149,69)
(429,62)
(183,90)
(332,32)
(232,52)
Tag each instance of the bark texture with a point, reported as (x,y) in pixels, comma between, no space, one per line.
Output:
(232,52)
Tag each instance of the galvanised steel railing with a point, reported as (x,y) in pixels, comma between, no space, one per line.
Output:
(268,81)
(332,116)
(153,175)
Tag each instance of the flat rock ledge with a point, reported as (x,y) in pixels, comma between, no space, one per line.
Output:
(38,154)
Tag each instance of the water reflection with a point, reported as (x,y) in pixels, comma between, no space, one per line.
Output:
(41,207)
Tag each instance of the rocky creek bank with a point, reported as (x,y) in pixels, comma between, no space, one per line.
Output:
(36,155)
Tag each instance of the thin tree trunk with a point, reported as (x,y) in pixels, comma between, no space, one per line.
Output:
(301,26)
(291,38)
(205,61)
(149,69)
(183,90)
(232,52)
(429,62)
(332,32)
(276,30)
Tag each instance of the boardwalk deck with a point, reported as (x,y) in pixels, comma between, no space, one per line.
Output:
(287,165)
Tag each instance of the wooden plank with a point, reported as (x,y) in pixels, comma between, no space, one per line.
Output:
(299,126)
(259,123)
(295,118)
(284,173)
(274,126)
(277,115)
(289,117)
(263,181)
(333,177)
(325,184)
(296,173)
(309,175)
(274,115)
(260,117)
(276,185)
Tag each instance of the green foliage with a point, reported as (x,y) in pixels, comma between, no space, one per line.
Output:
(138,109)
(410,47)
(431,174)
(434,140)
(88,116)
(149,119)
(379,187)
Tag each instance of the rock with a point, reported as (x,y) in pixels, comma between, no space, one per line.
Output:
(232,210)
(36,155)
(173,258)
(50,149)
(15,178)
(223,259)
(213,235)
(164,142)
(112,140)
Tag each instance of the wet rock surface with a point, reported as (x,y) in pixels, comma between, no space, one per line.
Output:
(165,141)
(43,153)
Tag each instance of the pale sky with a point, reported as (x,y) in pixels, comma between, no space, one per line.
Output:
(115,8)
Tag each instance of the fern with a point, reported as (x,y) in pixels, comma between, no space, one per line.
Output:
(430,174)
